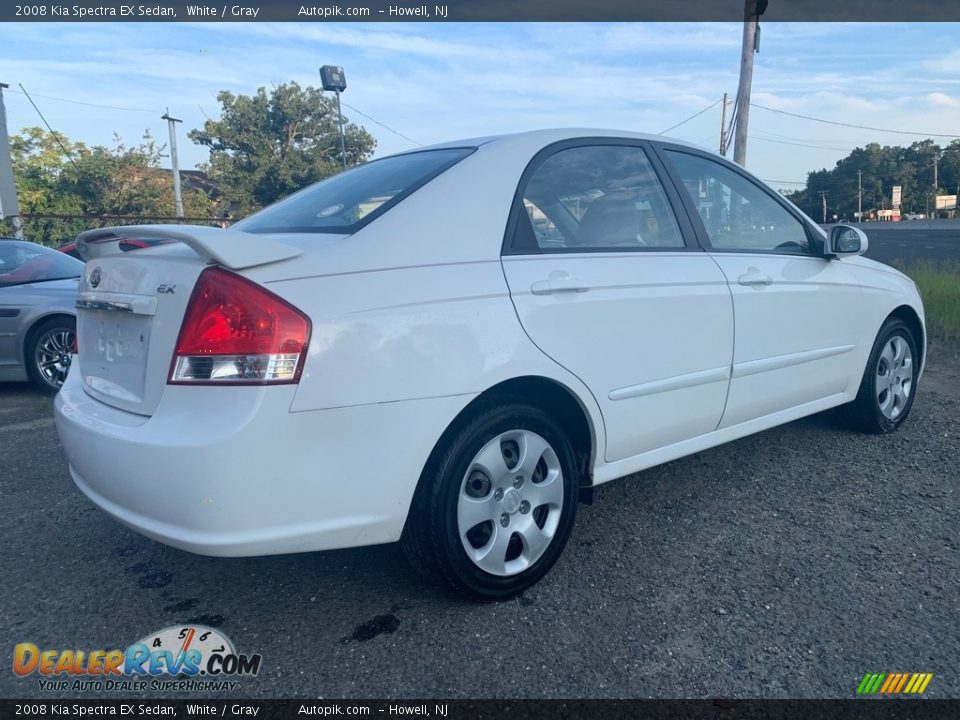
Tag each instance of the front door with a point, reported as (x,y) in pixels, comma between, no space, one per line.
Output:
(797,317)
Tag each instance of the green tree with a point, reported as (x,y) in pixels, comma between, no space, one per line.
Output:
(882,168)
(950,168)
(271,144)
(55,176)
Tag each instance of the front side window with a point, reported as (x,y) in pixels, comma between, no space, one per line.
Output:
(344,202)
(601,197)
(737,214)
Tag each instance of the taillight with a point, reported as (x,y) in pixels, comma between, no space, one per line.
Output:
(235,331)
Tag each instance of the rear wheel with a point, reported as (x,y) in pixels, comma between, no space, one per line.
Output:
(889,382)
(48,352)
(496,506)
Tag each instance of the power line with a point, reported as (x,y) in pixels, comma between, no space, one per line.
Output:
(395,132)
(770,133)
(80,102)
(859,127)
(56,136)
(144,110)
(697,114)
(787,142)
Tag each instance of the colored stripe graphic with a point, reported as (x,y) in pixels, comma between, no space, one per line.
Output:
(870,684)
(913,681)
(894,683)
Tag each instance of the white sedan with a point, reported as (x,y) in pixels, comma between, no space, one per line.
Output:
(451,347)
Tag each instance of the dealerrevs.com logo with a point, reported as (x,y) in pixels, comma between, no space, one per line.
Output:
(187,658)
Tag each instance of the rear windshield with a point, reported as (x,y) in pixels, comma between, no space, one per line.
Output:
(346,202)
(26,262)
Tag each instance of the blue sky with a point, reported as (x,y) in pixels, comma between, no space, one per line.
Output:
(436,82)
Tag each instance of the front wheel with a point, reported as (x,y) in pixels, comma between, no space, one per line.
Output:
(889,382)
(496,505)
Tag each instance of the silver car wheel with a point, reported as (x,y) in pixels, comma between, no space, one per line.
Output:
(894,377)
(53,354)
(510,501)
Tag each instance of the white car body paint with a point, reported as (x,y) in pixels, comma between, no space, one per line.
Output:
(633,304)
(414,316)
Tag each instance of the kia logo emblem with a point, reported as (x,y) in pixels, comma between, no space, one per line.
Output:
(95,277)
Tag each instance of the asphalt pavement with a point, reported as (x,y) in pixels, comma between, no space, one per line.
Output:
(786,564)
(909,241)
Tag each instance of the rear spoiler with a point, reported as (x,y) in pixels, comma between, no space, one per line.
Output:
(231,248)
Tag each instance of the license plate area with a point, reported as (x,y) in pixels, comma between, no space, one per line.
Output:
(114,349)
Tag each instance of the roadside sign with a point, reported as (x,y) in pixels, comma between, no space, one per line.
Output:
(896,196)
(946,202)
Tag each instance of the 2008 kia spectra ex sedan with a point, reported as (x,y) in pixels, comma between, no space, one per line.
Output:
(450,346)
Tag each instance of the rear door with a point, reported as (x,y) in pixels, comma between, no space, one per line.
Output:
(608,281)
(797,313)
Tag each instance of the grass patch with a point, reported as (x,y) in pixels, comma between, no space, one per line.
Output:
(939,285)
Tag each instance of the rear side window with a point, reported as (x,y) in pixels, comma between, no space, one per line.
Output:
(346,202)
(596,198)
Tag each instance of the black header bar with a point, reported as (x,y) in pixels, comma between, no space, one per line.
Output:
(479,11)
(893,709)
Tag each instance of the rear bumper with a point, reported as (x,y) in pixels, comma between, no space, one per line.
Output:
(232,472)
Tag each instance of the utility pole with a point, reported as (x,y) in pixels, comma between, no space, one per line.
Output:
(8,190)
(859,196)
(723,127)
(936,162)
(823,197)
(752,11)
(175,166)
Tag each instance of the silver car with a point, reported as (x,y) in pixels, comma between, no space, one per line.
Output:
(38,288)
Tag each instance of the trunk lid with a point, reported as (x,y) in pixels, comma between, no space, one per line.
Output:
(130,306)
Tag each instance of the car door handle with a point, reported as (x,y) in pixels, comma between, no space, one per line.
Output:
(558,282)
(754,277)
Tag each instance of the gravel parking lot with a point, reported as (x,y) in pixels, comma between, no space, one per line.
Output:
(786,564)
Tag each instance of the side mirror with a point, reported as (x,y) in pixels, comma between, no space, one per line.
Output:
(845,241)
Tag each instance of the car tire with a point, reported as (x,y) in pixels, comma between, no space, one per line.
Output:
(889,383)
(496,503)
(48,352)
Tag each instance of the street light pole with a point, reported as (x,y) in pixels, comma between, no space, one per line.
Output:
(343,146)
(333,78)
(175,166)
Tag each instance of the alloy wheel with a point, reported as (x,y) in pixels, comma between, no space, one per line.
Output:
(53,355)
